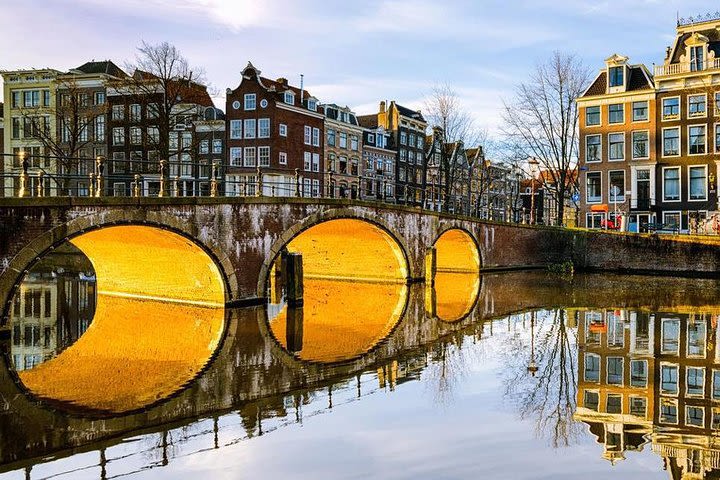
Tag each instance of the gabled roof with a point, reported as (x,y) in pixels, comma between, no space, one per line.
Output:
(189,92)
(107,67)
(407,112)
(712,34)
(639,78)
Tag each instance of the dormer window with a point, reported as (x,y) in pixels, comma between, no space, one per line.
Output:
(289,98)
(617,76)
(697,58)
(312,104)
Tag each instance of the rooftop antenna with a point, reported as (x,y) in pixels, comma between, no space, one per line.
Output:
(302,90)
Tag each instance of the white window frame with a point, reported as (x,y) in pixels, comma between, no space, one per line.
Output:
(592,125)
(312,104)
(687,408)
(687,381)
(308,135)
(239,162)
(706,140)
(674,402)
(705,198)
(632,144)
(238,129)
(621,197)
(250,128)
(660,380)
(624,149)
(607,370)
(307,162)
(667,213)
(712,386)
(630,401)
(282,158)
(246,163)
(662,111)
(289,97)
(316,137)
(662,142)
(260,123)
(716,136)
(599,363)
(662,184)
(282,130)
(647,107)
(587,200)
(704,95)
(662,329)
(623,114)
(647,372)
(264,149)
(250,101)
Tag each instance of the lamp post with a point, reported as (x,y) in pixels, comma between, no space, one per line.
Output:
(534,168)
(532,367)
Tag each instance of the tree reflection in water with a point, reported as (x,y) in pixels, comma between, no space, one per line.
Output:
(549,396)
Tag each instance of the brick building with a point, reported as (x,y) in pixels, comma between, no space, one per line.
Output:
(343,152)
(378,160)
(277,129)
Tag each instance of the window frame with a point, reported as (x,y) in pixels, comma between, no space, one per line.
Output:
(687,410)
(647,111)
(667,213)
(622,370)
(647,373)
(689,140)
(624,145)
(245,157)
(260,122)
(250,98)
(665,118)
(705,113)
(587,190)
(599,116)
(597,358)
(622,111)
(662,329)
(632,145)
(600,149)
(705,185)
(669,401)
(687,381)
(676,367)
(679,142)
(282,130)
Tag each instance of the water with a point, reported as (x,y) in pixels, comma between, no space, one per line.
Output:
(514,375)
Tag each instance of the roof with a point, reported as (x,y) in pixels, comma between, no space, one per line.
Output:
(189,91)
(407,112)
(332,112)
(712,34)
(107,67)
(283,87)
(368,121)
(638,79)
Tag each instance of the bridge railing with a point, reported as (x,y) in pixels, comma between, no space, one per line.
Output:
(49,176)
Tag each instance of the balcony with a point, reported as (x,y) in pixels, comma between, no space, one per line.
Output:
(687,67)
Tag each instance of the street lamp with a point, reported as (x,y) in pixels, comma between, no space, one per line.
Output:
(532,367)
(534,169)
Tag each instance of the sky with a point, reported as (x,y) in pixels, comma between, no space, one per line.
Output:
(353,53)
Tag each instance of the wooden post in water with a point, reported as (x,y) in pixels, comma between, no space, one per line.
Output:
(292,270)
(430,266)
(294,329)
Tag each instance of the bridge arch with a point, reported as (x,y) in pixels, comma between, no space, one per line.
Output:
(362,219)
(76,227)
(457,249)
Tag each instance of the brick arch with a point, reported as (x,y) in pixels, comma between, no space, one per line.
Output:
(447,226)
(334,214)
(75,227)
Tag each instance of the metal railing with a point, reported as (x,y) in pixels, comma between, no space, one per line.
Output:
(100,177)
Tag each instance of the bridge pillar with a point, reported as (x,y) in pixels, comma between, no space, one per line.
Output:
(294,329)
(430,266)
(292,271)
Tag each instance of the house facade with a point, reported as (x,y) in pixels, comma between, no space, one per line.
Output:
(275,138)
(343,152)
(378,160)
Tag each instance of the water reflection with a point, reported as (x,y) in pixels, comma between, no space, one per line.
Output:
(454,295)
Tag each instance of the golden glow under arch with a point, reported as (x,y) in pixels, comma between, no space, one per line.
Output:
(457,281)
(350,249)
(159,318)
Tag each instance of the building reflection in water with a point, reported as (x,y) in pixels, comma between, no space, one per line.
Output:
(652,377)
(52,307)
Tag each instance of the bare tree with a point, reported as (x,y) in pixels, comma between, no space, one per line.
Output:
(541,121)
(443,109)
(66,132)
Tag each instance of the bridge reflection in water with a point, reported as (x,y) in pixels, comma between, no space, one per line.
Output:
(646,370)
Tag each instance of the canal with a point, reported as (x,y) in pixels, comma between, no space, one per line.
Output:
(510,375)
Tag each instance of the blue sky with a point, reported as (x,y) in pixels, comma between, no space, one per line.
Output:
(352,53)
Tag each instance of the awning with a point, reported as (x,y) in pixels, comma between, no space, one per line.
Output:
(599,208)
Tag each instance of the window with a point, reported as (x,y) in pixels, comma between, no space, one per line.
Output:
(15,99)
(315,188)
(16,127)
(343,140)
(615,370)
(672,219)
(282,159)
(249,159)
(671,184)
(591,400)
(217,144)
(264,156)
(316,137)
(312,105)
(118,136)
(640,111)
(331,137)
(697,140)
(671,142)
(249,126)
(118,112)
(696,338)
(616,113)
(694,416)
(638,406)
(671,108)
(668,411)
(264,128)
(135,110)
(594,187)
(308,135)
(613,403)
(403,138)
(717,137)
(354,142)
(698,182)
(99,128)
(135,136)
(697,105)
(419,142)
(616,186)
(307,161)
(616,143)
(153,135)
(153,110)
(592,116)
(715,418)
(31,98)
(641,145)
(100,99)
(250,101)
(670,336)
(696,58)
(289,98)
(716,385)
(205,146)
(592,367)
(315,162)
(695,381)
(669,379)
(283,130)
(638,373)
(235,129)
(616,76)
(236,156)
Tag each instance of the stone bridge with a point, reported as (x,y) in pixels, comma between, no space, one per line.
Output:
(243,237)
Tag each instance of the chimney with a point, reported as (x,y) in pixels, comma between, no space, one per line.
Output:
(282,81)
(382,106)
(302,89)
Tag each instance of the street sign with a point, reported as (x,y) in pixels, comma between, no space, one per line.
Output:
(575,197)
